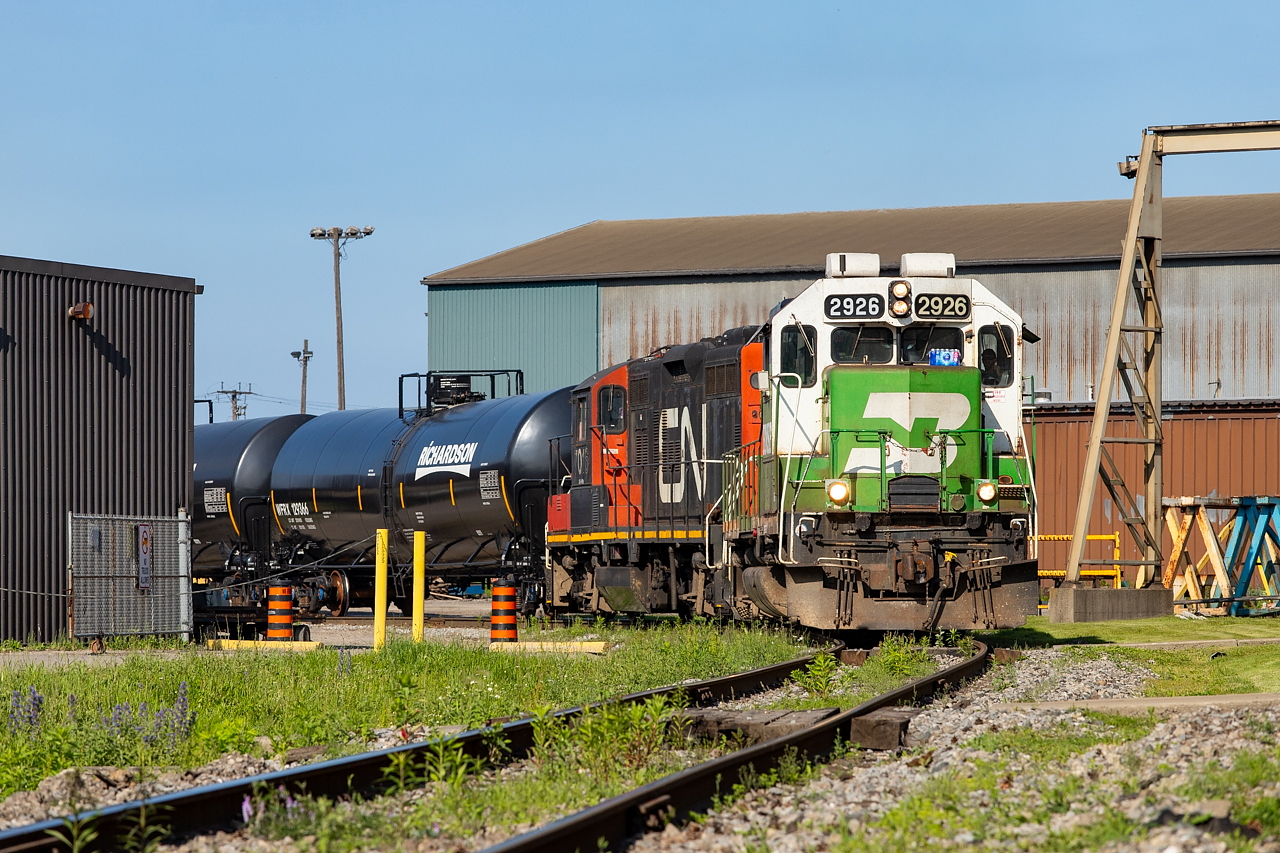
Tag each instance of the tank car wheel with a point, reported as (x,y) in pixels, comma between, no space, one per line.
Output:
(341,602)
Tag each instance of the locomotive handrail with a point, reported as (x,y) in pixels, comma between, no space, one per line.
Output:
(778,378)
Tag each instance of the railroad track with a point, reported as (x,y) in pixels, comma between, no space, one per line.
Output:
(209,808)
(677,796)
(430,620)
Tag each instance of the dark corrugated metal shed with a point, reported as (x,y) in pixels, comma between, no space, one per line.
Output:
(978,235)
(96,416)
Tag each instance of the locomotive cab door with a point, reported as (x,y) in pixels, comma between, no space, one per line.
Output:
(584,497)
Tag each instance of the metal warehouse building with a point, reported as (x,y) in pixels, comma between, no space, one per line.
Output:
(566,305)
(96,417)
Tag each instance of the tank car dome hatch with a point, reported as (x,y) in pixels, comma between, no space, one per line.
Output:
(853,265)
(233,462)
(928,265)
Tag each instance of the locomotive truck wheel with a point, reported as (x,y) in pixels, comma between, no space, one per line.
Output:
(341,601)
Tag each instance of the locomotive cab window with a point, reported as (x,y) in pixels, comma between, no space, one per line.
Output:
(995,355)
(940,346)
(612,409)
(862,345)
(799,355)
(580,416)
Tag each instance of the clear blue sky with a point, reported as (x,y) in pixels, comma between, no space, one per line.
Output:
(207,139)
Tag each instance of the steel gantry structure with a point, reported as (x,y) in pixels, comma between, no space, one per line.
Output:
(1134,342)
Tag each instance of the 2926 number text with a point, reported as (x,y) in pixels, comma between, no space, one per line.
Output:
(864,306)
(938,306)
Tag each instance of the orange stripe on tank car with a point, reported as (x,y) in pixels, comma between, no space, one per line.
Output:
(272,493)
(234,526)
(359,497)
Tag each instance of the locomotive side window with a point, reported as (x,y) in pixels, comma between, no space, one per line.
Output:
(612,408)
(799,355)
(862,345)
(995,355)
(941,346)
(580,417)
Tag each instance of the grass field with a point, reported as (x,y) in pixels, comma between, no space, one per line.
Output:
(1040,632)
(187,710)
(1207,671)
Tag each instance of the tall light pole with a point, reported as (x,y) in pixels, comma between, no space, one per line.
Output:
(338,237)
(303,356)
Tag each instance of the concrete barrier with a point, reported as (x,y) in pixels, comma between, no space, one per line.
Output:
(1081,604)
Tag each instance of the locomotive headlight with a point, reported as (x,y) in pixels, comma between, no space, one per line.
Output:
(900,290)
(986,492)
(838,492)
(901,308)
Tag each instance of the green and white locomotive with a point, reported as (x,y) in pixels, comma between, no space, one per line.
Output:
(857,462)
(894,474)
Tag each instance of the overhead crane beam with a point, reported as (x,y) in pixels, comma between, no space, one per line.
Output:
(1134,350)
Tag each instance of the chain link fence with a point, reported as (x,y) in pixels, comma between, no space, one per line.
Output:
(129,575)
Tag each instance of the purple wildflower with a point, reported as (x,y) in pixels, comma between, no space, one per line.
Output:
(246,809)
(24,711)
(186,716)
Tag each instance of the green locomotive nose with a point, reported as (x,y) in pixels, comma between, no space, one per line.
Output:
(890,421)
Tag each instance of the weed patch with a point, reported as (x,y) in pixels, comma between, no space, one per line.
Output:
(129,714)
(1205,671)
(1065,739)
(574,764)
(826,683)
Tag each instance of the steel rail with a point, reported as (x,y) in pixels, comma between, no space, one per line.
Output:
(680,794)
(431,620)
(211,807)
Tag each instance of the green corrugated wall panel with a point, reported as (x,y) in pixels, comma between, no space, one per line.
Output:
(550,331)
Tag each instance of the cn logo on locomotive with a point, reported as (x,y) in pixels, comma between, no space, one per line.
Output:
(671,478)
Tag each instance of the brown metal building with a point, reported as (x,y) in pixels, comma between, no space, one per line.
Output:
(634,285)
(96,416)
(1220,448)
(609,291)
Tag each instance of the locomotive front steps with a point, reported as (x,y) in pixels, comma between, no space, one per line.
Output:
(1082,604)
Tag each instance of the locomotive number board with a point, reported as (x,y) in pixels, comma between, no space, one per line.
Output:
(855,306)
(942,306)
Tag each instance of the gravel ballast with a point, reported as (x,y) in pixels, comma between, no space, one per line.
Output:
(1136,782)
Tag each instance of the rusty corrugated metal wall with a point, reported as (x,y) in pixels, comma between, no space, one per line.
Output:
(1223,448)
(1220,318)
(96,416)
(640,315)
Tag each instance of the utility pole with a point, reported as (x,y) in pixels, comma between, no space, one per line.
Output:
(303,356)
(238,409)
(338,237)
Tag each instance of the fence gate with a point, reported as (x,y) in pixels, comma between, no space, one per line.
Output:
(129,575)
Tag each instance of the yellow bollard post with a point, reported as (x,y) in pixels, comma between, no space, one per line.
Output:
(380,592)
(419,583)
